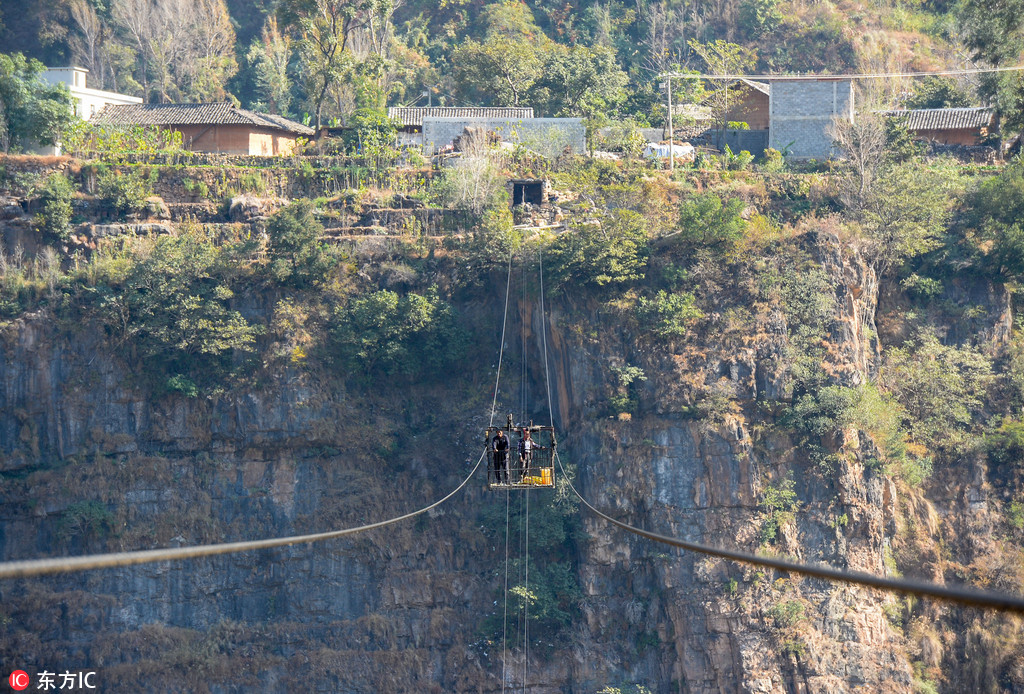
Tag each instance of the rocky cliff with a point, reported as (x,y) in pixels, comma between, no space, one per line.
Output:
(703,444)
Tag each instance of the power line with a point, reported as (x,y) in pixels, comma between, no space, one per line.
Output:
(55,565)
(854,76)
(963,596)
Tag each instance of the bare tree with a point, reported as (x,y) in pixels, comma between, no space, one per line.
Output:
(85,45)
(861,140)
(136,18)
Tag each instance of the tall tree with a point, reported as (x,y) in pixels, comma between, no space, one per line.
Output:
(186,47)
(723,59)
(269,56)
(508,61)
(325,28)
(31,111)
(579,81)
(994,31)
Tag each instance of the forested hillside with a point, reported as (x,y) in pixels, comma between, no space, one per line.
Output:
(325,60)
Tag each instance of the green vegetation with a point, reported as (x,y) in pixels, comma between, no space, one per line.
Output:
(668,315)
(172,305)
(296,255)
(56,196)
(124,191)
(778,507)
(707,221)
(787,613)
(415,335)
(610,253)
(32,112)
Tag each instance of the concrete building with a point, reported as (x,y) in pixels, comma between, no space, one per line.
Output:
(546,136)
(801,111)
(88,101)
(219,128)
(410,118)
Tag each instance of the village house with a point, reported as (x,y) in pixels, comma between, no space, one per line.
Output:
(86,101)
(949,126)
(218,127)
(410,118)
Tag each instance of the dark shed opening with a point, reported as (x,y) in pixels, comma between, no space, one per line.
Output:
(528,191)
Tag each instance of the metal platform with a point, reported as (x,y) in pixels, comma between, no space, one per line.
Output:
(537,472)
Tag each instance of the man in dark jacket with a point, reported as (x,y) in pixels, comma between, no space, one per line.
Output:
(499,444)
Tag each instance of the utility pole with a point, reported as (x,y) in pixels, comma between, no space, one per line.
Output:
(671,142)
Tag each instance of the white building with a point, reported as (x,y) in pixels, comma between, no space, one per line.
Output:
(87,102)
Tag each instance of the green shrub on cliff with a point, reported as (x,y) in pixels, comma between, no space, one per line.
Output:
(668,314)
(296,254)
(56,197)
(173,308)
(124,191)
(708,221)
(610,252)
(384,333)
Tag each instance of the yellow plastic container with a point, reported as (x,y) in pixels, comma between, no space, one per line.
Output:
(545,475)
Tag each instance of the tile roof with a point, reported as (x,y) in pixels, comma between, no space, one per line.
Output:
(945,118)
(414,115)
(194,114)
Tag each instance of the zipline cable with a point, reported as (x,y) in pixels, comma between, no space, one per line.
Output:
(55,565)
(963,596)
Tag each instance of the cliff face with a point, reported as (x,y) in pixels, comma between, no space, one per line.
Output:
(698,447)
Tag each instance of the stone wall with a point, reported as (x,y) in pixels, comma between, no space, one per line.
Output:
(547,136)
(801,112)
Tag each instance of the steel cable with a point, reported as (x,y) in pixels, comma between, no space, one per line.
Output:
(54,565)
(963,596)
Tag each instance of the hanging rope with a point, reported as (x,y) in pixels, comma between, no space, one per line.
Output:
(544,339)
(39,567)
(504,621)
(501,346)
(526,601)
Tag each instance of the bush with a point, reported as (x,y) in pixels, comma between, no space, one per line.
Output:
(1005,444)
(787,613)
(707,221)
(56,196)
(942,388)
(609,253)
(668,315)
(173,307)
(295,252)
(125,193)
(778,504)
(412,335)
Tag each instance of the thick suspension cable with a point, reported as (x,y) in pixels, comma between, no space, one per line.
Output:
(963,596)
(55,565)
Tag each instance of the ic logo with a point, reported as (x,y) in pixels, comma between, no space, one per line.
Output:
(19,680)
